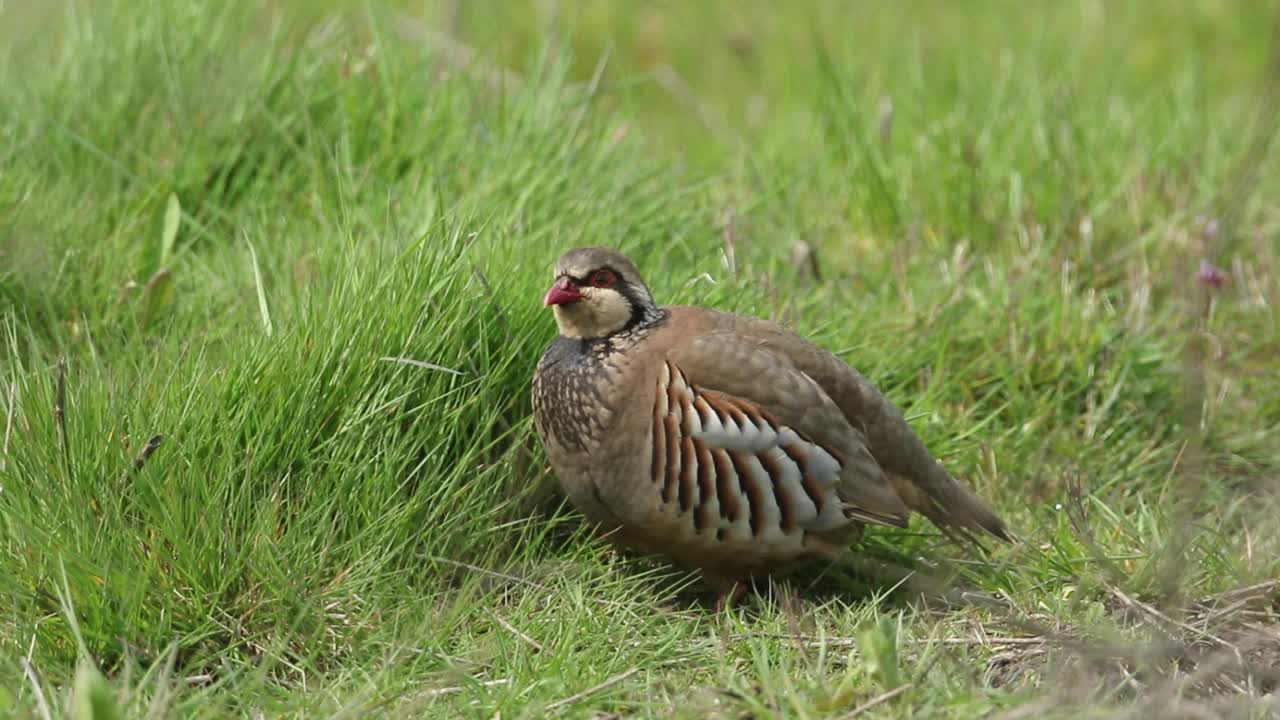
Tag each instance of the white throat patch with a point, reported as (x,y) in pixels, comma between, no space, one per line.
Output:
(600,312)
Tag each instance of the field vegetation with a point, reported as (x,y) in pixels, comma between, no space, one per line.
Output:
(270,282)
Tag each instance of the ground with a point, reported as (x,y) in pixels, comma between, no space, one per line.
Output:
(270,282)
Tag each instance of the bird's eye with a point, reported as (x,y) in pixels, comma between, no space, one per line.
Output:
(603,278)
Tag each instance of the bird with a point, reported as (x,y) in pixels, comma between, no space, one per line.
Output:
(727,444)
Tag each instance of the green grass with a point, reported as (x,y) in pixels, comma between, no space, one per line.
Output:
(221,223)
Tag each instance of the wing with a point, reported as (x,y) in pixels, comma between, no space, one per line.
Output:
(724,399)
(921,481)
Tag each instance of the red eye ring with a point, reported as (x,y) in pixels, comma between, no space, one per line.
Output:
(603,278)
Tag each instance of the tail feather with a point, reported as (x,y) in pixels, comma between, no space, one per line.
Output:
(955,509)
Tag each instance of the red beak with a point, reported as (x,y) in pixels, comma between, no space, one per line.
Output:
(563,292)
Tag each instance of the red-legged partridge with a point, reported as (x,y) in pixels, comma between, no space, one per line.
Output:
(726,443)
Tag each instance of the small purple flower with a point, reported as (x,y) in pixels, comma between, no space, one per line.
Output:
(1211,275)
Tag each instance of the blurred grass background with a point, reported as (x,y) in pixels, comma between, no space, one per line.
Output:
(218,222)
